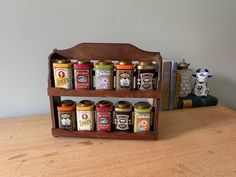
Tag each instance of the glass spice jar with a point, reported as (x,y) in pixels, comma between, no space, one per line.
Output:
(62,70)
(104,75)
(142,117)
(124,75)
(146,72)
(83,75)
(186,75)
(66,115)
(85,115)
(123,116)
(104,110)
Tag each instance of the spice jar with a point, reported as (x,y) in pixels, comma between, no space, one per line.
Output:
(123,116)
(83,74)
(124,75)
(104,116)
(147,78)
(142,117)
(66,115)
(104,75)
(62,70)
(85,115)
(186,75)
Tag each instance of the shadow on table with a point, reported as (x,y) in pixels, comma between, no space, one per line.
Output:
(180,122)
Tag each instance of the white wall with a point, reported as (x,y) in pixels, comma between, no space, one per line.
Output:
(202,31)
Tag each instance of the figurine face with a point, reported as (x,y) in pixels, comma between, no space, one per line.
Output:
(202,77)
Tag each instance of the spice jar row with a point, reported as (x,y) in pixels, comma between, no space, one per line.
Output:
(86,116)
(128,76)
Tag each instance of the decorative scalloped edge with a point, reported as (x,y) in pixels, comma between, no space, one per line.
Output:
(112,51)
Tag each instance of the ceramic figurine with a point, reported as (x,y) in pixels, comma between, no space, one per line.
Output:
(201,87)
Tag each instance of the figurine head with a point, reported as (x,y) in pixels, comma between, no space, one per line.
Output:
(202,76)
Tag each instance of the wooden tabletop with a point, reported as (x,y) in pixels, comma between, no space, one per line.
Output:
(198,142)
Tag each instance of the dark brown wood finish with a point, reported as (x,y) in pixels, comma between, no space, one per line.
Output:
(52,91)
(54,101)
(152,135)
(103,51)
(110,51)
(156,105)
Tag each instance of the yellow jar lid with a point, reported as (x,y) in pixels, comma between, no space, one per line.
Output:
(142,105)
(146,65)
(85,105)
(104,64)
(62,63)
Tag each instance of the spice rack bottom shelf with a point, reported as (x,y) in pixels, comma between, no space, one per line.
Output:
(152,135)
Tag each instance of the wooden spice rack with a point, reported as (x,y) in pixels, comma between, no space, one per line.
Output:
(104,51)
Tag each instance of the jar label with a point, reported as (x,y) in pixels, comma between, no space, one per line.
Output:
(63,77)
(82,80)
(124,79)
(142,121)
(146,81)
(65,120)
(85,120)
(103,79)
(122,122)
(103,121)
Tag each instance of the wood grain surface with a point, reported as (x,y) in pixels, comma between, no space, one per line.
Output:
(198,142)
(52,91)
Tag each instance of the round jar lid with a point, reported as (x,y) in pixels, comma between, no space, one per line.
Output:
(146,65)
(123,104)
(104,62)
(104,103)
(125,63)
(142,105)
(63,61)
(67,103)
(85,103)
(83,62)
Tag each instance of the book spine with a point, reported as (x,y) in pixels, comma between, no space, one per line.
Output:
(177,90)
(197,102)
(165,85)
(172,84)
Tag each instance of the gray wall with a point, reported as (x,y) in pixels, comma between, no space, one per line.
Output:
(202,31)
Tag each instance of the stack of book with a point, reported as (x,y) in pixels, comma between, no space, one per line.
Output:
(170,89)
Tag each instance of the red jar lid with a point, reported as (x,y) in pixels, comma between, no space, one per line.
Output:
(83,65)
(104,106)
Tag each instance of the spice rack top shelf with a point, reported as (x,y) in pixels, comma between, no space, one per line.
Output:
(104,93)
(102,51)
